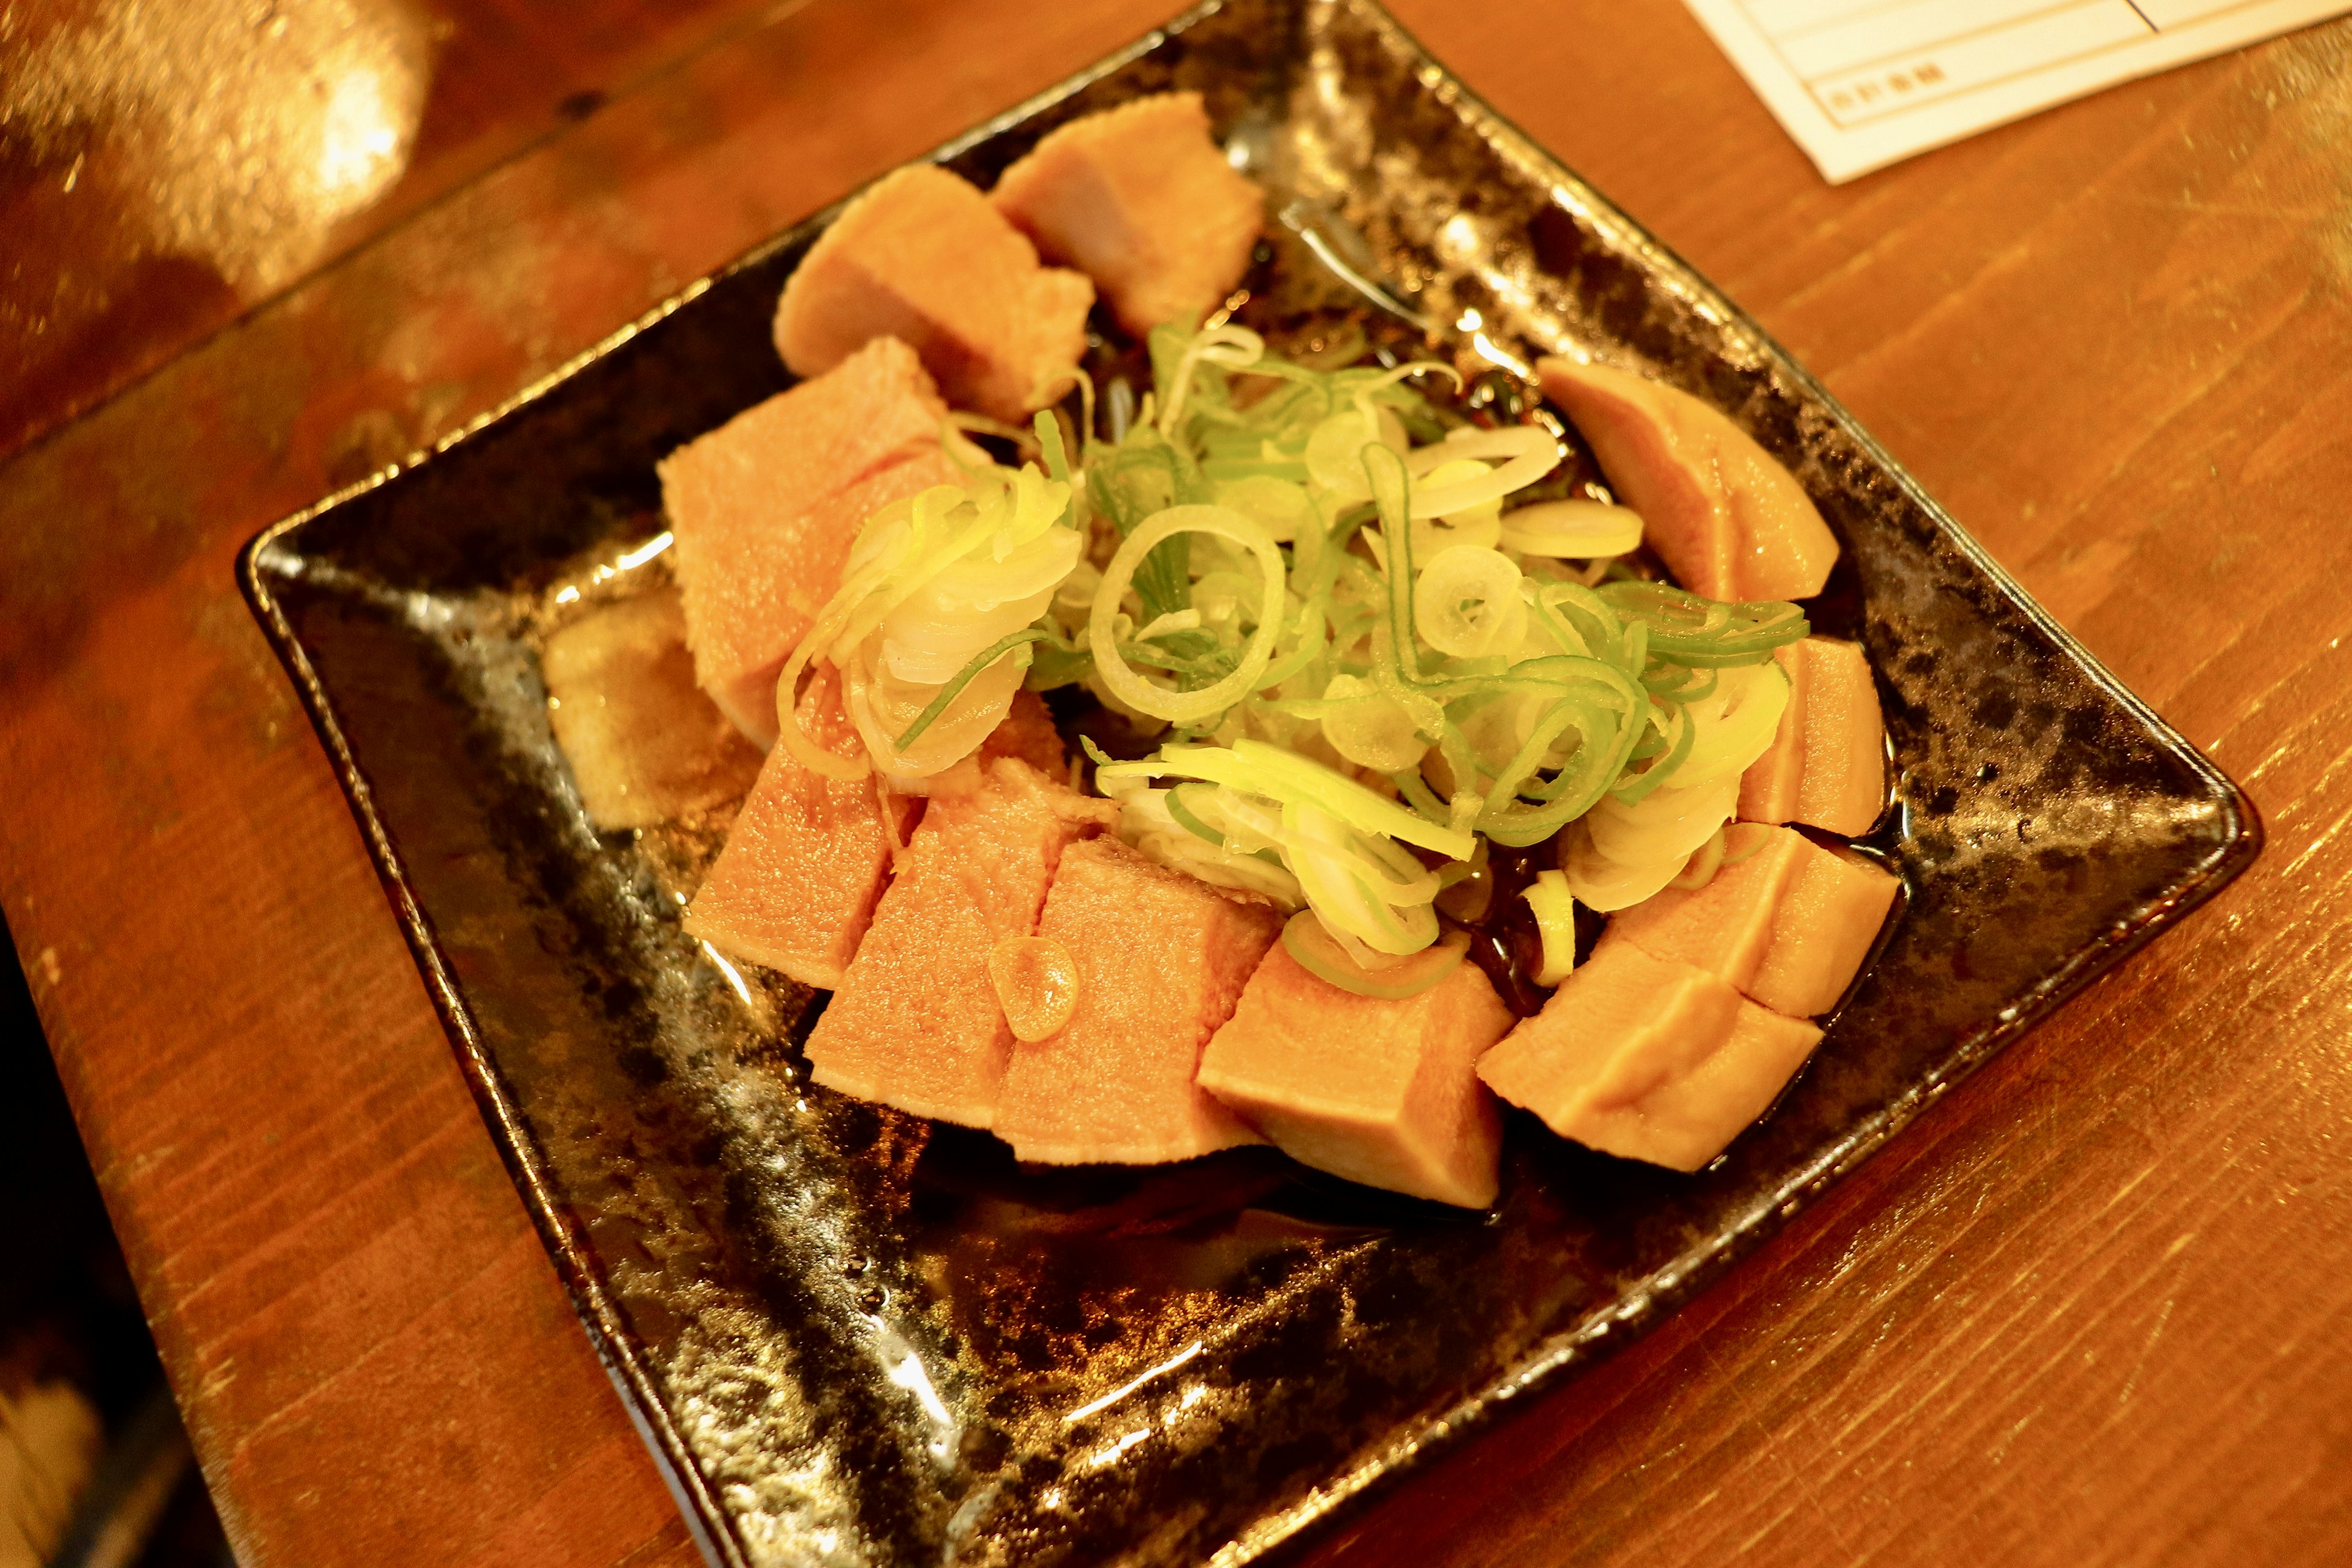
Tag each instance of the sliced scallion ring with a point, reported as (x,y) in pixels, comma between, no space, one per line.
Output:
(1160,702)
(1189,819)
(1572,529)
(1305,940)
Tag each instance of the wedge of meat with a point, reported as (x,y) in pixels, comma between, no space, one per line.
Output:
(1827,767)
(643,744)
(1786,921)
(763,510)
(916,1022)
(1648,1058)
(1140,200)
(796,885)
(1724,515)
(923,256)
(1161,958)
(1027,732)
(1689,1120)
(1382,1092)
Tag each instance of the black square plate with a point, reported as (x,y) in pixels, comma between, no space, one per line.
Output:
(854,1338)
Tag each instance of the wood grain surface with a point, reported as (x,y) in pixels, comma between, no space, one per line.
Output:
(2094,1309)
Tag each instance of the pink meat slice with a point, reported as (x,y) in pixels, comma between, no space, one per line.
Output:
(763,510)
(1162,959)
(1727,519)
(1382,1092)
(1786,921)
(916,1022)
(923,256)
(795,884)
(1648,1058)
(1827,767)
(1140,200)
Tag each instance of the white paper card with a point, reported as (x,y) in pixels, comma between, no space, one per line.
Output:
(1861,83)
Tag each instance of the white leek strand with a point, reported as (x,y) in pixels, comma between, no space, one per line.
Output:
(1480,525)
(1554,904)
(1234,348)
(1606,885)
(1257,768)
(1667,824)
(1735,725)
(883,707)
(1532,453)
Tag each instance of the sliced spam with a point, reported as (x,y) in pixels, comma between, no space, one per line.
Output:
(643,744)
(796,885)
(1648,1058)
(1382,1092)
(1140,200)
(763,510)
(1827,767)
(1785,920)
(916,1022)
(924,257)
(1161,958)
(1727,519)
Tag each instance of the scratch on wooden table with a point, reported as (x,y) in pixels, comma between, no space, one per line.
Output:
(2147,1349)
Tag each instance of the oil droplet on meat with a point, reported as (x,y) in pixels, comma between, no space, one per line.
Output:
(1036,981)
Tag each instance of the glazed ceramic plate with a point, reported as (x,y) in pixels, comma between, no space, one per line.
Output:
(855,1338)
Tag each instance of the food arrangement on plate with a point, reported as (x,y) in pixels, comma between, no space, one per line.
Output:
(863,1335)
(1374,709)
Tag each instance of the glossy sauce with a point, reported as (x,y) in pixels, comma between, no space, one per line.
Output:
(1504,940)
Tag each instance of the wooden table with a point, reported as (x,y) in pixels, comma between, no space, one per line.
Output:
(2096,1307)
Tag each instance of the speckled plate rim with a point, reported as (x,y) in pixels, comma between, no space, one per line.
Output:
(1552,1359)
(706,1518)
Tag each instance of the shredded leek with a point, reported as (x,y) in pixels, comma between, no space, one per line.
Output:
(1318,578)
(1112,661)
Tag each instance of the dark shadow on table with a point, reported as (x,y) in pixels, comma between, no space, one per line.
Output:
(74,1348)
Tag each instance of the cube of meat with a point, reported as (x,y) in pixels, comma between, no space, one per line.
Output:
(1786,921)
(1027,732)
(763,511)
(1648,1058)
(1382,1092)
(916,1022)
(795,884)
(644,746)
(1727,519)
(1140,200)
(1689,1119)
(1827,766)
(1161,959)
(922,256)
